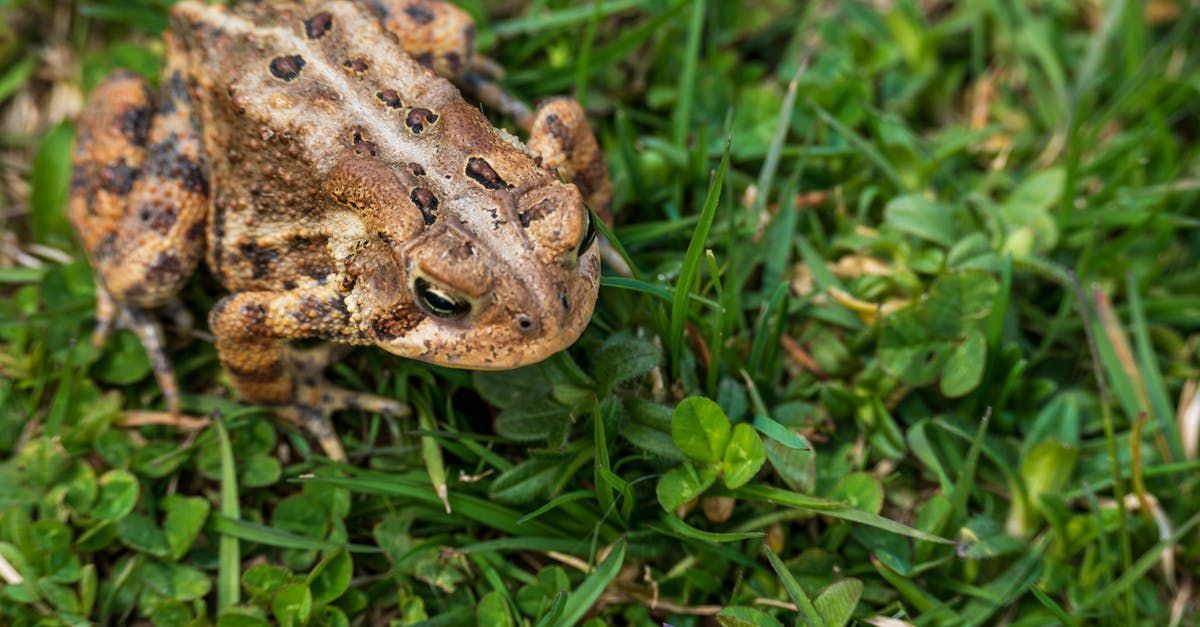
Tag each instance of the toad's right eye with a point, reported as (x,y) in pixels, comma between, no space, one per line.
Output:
(440,301)
(589,234)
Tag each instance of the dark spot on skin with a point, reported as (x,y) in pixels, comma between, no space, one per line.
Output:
(357,65)
(270,372)
(159,217)
(424,58)
(307,243)
(135,124)
(316,26)
(289,284)
(564,301)
(396,322)
(175,92)
(195,231)
(255,316)
(324,314)
(218,220)
(260,258)
(287,68)
(118,178)
(317,269)
(420,118)
(164,269)
(390,98)
(167,163)
(560,132)
(80,180)
(416,169)
(106,248)
(419,13)
(426,202)
(481,172)
(536,212)
(362,146)
(453,61)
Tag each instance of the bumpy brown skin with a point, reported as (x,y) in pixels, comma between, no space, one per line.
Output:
(323,171)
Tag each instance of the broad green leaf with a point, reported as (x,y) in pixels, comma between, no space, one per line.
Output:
(118,494)
(51,183)
(62,598)
(700,429)
(908,351)
(141,533)
(82,487)
(505,388)
(493,610)
(622,358)
(176,581)
(1028,207)
(330,578)
(922,217)
(683,484)
(292,605)
(744,456)
(1045,469)
(125,362)
(185,517)
(531,419)
(861,491)
(262,580)
(957,299)
(963,370)
(836,603)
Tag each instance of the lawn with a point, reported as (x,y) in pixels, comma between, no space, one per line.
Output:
(911,337)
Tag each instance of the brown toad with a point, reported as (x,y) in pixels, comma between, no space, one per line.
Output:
(322,161)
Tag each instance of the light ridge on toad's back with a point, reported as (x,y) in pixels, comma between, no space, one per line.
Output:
(320,158)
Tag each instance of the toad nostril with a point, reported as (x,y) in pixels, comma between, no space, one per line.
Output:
(525,322)
(564,301)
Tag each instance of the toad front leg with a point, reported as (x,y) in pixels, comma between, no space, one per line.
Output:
(252,329)
(138,199)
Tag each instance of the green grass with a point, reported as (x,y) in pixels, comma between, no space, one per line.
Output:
(941,296)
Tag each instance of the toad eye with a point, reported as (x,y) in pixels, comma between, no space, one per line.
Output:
(589,234)
(440,301)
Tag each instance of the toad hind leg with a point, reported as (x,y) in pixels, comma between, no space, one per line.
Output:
(252,329)
(138,202)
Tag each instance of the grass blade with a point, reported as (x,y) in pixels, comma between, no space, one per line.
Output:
(229,561)
(691,261)
(808,613)
(826,507)
(580,600)
(262,534)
